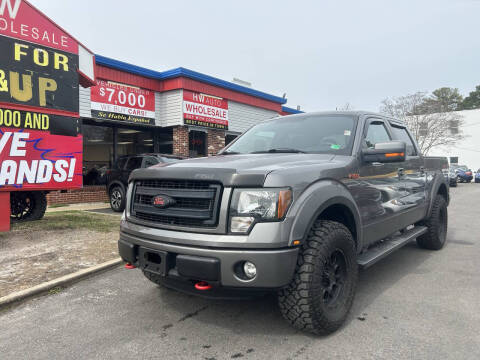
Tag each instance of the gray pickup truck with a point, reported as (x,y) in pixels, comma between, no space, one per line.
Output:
(296,205)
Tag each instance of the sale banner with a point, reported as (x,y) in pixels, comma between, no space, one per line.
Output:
(120,102)
(36,76)
(20,20)
(205,110)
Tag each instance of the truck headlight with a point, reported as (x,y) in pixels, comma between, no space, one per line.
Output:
(256,205)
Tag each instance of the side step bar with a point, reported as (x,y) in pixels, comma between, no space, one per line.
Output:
(378,252)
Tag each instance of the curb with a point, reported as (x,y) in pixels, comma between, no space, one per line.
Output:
(35,290)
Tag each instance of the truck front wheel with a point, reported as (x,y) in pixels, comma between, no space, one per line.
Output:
(321,293)
(437,224)
(27,205)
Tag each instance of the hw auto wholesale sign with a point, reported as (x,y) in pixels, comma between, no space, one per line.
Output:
(120,102)
(40,147)
(205,110)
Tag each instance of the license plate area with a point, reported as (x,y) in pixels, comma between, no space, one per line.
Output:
(154,261)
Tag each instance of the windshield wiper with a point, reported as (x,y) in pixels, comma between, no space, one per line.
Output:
(230,153)
(279,150)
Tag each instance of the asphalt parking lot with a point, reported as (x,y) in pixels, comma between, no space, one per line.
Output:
(415,304)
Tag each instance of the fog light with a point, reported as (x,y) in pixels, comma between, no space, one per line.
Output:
(249,269)
(241,224)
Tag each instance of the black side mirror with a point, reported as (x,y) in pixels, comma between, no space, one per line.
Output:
(387,152)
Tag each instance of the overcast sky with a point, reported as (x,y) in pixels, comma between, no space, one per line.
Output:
(321,53)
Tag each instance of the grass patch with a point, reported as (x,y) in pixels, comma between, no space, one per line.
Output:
(71,220)
(57,206)
(55,290)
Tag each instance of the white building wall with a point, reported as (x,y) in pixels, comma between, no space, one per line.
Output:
(241,116)
(468,149)
(84,98)
(169,108)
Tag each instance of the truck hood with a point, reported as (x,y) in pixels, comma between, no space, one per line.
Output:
(231,170)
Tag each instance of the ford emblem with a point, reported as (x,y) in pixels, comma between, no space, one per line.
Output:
(163,201)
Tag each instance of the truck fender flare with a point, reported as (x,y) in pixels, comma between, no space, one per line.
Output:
(113,183)
(437,182)
(314,200)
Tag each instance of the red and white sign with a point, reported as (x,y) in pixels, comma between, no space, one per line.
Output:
(113,101)
(37,160)
(20,20)
(205,110)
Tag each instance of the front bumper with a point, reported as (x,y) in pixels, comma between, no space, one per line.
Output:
(275,267)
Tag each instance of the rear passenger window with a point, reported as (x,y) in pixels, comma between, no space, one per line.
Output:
(134,163)
(150,161)
(401,134)
(121,163)
(376,133)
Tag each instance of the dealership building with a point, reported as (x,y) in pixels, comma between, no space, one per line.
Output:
(133,110)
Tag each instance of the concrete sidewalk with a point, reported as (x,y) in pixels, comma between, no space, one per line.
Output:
(83,206)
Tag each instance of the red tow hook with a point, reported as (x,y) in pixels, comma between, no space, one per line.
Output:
(129,266)
(202,286)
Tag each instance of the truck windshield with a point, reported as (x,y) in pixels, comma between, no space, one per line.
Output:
(306,134)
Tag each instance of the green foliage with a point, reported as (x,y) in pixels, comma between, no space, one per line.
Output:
(444,99)
(472,101)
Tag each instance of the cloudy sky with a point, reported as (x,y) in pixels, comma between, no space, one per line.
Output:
(323,54)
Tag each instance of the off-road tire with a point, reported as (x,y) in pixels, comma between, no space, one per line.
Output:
(40,200)
(303,302)
(117,204)
(27,206)
(437,224)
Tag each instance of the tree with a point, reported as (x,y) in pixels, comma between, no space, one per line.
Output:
(430,129)
(444,99)
(472,101)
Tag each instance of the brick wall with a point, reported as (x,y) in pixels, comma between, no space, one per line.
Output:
(75,196)
(180,141)
(216,141)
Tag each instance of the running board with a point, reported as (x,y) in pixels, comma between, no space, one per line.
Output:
(378,252)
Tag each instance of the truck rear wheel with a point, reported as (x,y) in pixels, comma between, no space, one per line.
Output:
(117,198)
(27,205)
(321,293)
(437,224)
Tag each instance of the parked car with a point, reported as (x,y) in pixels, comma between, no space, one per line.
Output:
(452,176)
(477,176)
(296,205)
(117,176)
(464,174)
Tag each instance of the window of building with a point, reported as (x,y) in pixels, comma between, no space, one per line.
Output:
(401,133)
(423,129)
(376,133)
(229,138)
(98,153)
(134,141)
(197,141)
(453,127)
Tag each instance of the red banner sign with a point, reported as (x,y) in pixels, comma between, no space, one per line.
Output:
(205,110)
(113,101)
(20,20)
(38,160)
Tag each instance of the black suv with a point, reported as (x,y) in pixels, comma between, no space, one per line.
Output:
(117,176)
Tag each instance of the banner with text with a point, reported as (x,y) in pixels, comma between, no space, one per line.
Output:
(120,102)
(205,110)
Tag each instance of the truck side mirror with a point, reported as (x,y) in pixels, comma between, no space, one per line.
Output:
(386,152)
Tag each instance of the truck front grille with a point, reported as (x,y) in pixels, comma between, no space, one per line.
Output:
(196,203)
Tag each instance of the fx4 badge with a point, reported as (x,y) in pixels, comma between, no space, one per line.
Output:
(163,201)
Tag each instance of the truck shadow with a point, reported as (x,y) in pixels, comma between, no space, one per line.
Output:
(262,316)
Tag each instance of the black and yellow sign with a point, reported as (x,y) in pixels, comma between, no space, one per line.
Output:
(27,120)
(38,76)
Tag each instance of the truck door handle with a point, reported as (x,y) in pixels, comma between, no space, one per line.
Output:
(401,172)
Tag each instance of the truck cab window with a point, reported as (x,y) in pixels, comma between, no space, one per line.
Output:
(376,133)
(401,134)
